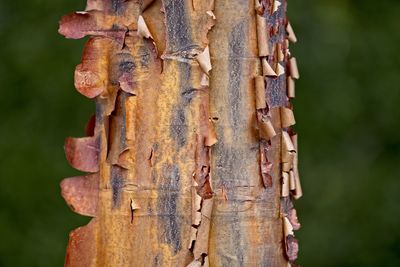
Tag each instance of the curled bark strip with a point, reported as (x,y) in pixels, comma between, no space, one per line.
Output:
(91,75)
(206,138)
(267,130)
(200,248)
(83,153)
(292,216)
(260,92)
(287,227)
(77,25)
(211,137)
(291,35)
(80,24)
(262,35)
(294,72)
(280,70)
(143,30)
(285,184)
(290,87)
(287,117)
(265,166)
(126,83)
(276,5)
(288,150)
(81,193)
(204,60)
(87,83)
(279,52)
(292,248)
(267,69)
(200,230)
(298,192)
(155,22)
(292,180)
(81,250)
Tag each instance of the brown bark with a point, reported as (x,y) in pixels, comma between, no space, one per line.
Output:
(192,139)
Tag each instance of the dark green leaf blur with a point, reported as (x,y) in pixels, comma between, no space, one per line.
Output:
(347,110)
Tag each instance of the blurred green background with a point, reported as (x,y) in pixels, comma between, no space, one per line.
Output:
(347,110)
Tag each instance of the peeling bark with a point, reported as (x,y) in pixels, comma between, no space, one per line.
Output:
(192,154)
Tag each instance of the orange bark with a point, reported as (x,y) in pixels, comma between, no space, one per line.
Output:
(186,167)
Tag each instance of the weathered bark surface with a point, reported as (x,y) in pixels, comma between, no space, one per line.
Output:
(246,228)
(162,190)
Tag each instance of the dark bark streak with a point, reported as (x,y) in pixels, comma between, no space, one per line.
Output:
(276,91)
(117,183)
(117,140)
(178,26)
(167,205)
(236,52)
(179,126)
(117,6)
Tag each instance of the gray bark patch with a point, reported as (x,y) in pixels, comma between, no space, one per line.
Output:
(236,52)
(178,26)
(117,6)
(117,184)
(276,91)
(179,127)
(169,222)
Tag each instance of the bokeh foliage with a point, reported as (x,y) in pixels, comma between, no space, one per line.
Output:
(347,112)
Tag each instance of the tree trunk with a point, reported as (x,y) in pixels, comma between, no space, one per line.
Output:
(191,157)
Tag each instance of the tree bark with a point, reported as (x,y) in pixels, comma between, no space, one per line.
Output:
(191,156)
